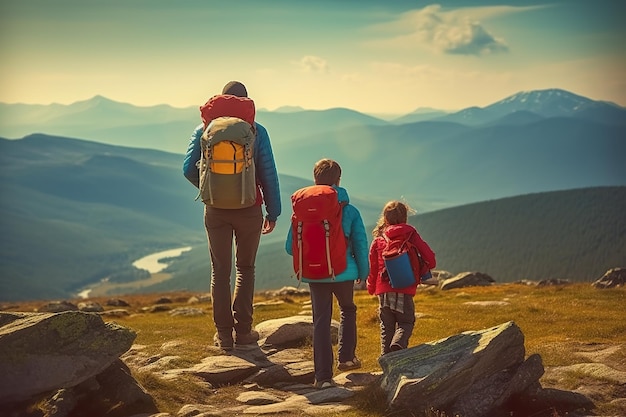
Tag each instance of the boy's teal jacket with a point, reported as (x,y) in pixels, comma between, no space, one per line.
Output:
(358,248)
(266,175)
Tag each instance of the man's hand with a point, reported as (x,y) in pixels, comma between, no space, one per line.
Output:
(268,226)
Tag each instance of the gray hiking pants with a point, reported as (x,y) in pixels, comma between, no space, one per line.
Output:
(221,226)
(396,327)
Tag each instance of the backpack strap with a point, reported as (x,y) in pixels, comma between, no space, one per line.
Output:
(331,270)
(247,162)
(403,243)
(201,164)
(299,233)
(209,156)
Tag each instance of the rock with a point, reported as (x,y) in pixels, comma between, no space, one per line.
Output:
(118,312)
(90,307)
(437,278)
(467,279)
(268,303)
(527,282)
(160,364)
(298,372)
(202,298)
(328,395)
(287,356)
(594,370)
(288,290)
(197,410)
(290,331)
(473,374)
(443,375)
(553,281)
(558,401)
(487,303)
(187,311)
(114,389)
(441,274)
(357,379)
(222,370)
(313,402)
(612,278)
(157,308)
(117,302)
(57,307)
(41,352)
(257,398)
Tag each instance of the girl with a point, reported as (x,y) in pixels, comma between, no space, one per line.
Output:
(396,309)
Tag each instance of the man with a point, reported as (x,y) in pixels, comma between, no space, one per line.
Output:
(233,315)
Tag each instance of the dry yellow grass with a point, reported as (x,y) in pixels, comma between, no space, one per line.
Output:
(556,321)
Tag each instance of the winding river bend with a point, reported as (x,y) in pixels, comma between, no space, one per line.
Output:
(152,263)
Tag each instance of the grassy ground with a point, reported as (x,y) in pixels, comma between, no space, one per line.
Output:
(556,321)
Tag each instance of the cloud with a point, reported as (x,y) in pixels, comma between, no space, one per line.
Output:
(450,32)
(311,63)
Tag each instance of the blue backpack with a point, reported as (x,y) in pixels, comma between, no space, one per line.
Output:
(403,262)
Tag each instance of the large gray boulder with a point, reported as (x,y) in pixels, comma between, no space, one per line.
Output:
(290,331)
(467,279)
(473,374)
(612,278)
(45,352)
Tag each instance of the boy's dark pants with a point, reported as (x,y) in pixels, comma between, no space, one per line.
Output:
(396,327)
(322,304)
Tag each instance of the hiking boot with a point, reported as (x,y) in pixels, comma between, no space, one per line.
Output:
(329,383)
(247,339)
(395,347)
(223,342)
(349,365)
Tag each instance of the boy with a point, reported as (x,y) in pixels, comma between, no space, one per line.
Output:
(328,172)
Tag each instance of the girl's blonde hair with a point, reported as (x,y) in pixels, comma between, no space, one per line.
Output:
(394,212)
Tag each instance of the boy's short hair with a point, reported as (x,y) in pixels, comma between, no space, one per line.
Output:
(326,172)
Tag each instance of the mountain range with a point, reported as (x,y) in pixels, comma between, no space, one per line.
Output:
(535,141)
(101,185)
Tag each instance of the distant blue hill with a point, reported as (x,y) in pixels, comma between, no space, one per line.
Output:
(545,103)
(435,165)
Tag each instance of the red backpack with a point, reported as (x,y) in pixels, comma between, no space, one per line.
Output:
(318,243)
(403,262)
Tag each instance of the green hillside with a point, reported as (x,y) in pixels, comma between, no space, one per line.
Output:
(574,234)
(74,212)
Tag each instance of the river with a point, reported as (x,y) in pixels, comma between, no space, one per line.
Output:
(151,263)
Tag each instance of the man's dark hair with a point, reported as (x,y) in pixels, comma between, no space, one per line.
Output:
(235,88)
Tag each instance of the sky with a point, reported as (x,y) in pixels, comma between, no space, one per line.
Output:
(373,56)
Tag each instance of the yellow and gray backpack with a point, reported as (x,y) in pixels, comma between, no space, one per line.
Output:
(227,171)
